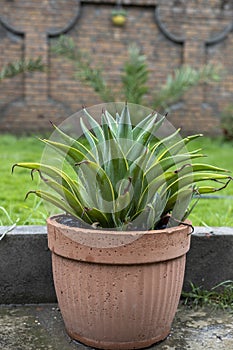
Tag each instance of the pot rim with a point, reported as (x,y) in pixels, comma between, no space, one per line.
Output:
(117,247)
(108,231)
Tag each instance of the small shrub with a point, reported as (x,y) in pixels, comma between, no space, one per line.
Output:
(227,122)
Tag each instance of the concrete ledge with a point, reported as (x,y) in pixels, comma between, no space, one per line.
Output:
(26,273)
(210,259)
(25,266)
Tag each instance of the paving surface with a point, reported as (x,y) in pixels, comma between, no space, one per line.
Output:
(40,327)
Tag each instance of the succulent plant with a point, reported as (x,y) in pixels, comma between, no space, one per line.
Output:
(125,174)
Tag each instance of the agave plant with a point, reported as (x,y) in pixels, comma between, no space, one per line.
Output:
(125,175)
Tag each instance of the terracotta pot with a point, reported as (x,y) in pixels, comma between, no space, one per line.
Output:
(119,20)
(117,290)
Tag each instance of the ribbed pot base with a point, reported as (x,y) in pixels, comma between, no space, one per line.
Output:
(118,306)
(118,346)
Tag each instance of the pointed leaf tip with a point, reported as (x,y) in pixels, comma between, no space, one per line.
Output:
(13,167)
(182,167)
(82,162)
(32,171)
(40,173)
(28,193)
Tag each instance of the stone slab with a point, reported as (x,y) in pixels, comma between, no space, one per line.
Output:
(41,327)
(26,272)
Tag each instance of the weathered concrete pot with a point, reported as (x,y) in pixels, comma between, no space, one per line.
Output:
(117,290)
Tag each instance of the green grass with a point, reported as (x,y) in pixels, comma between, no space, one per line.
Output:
(220,296)
(211,212)
(215,212)
(14,187)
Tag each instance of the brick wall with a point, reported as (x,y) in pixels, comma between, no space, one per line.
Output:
(170,33)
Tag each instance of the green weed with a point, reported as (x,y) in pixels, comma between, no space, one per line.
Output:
(220,296)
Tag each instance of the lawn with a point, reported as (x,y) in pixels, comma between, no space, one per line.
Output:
(212,212)
(14,187)
(215,212)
